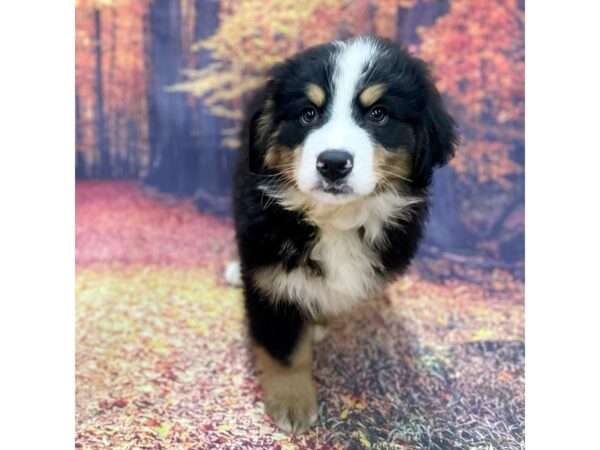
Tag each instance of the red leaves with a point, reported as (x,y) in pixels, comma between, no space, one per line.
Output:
(117,223)
(120,403)
(151,423)
(108,404)
(478,55)
(162,350)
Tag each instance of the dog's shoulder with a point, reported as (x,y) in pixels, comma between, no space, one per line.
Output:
(266,232)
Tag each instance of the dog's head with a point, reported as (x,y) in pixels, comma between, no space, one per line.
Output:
(344,120)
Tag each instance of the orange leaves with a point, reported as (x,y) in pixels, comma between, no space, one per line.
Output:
(244,53)
(255,35)
(476,49)
(486,160)
(478,55)
(386,15)
(122,27)
(151,423)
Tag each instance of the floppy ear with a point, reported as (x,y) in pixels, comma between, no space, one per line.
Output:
(437,137)
(260,128)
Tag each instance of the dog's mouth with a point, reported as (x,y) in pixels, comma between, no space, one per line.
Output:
(333,188)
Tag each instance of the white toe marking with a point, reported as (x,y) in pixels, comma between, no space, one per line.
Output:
(233,274)
(320,332)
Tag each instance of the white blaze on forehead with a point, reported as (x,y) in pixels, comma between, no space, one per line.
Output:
(341,132)
(350,67)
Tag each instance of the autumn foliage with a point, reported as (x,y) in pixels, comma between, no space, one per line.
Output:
(163,360)
(478,54)
(162,87)
(114,31)
(243,54)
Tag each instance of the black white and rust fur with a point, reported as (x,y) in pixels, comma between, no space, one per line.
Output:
(330,199)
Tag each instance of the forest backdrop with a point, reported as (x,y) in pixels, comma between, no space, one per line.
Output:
(161,86)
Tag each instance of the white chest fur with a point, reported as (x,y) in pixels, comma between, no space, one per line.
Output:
(348,275)
(349,262)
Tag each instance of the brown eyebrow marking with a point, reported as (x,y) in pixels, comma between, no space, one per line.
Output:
(315,94)
(371,94)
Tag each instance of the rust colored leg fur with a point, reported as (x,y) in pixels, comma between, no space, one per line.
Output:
(288,390)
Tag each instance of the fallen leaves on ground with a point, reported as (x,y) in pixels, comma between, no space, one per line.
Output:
(163,361)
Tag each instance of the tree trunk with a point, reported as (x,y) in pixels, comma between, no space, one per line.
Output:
(214,170)
(104,171)
(168,115)
(446,229)
(132,153)
(113,130)
(421,14)
(80,165)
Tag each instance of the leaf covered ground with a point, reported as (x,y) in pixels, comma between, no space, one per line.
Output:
(162,357)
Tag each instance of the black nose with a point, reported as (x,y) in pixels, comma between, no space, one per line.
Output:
(334,164)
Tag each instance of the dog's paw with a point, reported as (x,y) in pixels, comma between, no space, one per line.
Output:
(294,411)
(320,332)
(233,274)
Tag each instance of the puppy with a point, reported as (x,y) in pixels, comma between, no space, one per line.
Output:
(330,199)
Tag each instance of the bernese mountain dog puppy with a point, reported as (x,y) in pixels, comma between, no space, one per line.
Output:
(330,199)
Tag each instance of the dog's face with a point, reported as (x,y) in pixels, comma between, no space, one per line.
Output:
(347,119)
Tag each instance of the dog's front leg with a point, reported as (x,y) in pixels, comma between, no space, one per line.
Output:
(283,349)
(287,387)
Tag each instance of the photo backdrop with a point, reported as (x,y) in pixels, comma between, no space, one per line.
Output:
(162,357)
(161,86)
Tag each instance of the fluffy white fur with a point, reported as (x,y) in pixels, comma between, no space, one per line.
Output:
(349,278)
(348,261)
(372,212)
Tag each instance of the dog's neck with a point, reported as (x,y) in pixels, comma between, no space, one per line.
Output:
(370,213)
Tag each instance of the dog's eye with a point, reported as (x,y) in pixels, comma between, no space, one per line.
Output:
(378,114)
(309,115)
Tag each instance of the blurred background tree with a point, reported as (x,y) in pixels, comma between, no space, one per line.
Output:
(478,55)
(162,85)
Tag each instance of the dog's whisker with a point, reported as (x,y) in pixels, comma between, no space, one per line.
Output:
(394,174)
